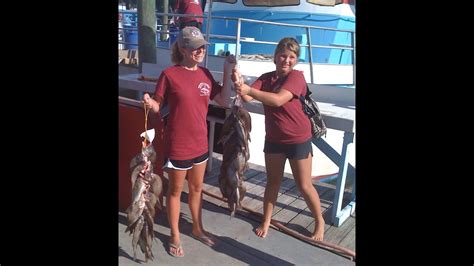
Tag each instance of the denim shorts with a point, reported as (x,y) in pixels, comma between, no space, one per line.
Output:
(185,164)
(292,151)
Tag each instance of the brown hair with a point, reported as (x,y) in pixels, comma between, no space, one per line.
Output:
(287,43)
(176,55)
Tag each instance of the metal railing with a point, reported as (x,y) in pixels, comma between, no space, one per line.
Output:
(164,28)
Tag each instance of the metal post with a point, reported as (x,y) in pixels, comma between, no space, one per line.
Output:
(353,57)
(146,32)
(212,126)
(164,21)
(237,41)
(208,28)
(310,54)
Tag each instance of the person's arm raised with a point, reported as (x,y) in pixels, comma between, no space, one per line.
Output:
(224,98)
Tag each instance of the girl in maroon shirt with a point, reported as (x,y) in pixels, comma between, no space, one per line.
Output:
(187,89)
(288,131)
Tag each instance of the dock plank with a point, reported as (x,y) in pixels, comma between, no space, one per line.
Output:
(254,189)
(305,218)
(349,240)
(286,185)
(290,211)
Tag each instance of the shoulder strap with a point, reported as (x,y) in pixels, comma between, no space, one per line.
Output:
(308,92)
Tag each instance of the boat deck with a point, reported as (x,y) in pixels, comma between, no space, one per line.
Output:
(290,210)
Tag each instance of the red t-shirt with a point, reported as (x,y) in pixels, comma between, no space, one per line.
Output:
(187,93)
(188,7)
(286,124)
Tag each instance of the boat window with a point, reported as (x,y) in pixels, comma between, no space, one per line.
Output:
(325,2)
(226,1)
(271,2)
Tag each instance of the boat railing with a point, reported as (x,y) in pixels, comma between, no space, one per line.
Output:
(168,31)
(239,39)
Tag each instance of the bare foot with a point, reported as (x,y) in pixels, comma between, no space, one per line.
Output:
(318,233)
(262,230)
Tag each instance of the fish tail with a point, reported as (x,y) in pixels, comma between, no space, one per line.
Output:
(237,196)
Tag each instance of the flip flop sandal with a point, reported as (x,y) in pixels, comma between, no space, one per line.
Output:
(176,250)
(206,240)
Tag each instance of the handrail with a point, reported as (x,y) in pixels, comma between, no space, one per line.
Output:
(238,39)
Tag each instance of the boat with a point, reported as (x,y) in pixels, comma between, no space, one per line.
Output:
(250,30)
(340,16)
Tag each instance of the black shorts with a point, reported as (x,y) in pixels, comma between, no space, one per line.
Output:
(292,151)
(193,23)
(185,164)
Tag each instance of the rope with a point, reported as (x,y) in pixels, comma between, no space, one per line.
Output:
(147,110)
(331,247)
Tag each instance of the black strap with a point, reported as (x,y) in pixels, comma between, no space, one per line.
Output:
(308,92)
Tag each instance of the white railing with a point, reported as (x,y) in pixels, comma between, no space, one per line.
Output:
(164,28)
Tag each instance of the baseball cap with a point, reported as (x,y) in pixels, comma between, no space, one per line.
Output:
(191,37)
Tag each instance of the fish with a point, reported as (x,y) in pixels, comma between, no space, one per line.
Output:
(148,153)
(135,210)
(235,137)
(138,226)
(146,188)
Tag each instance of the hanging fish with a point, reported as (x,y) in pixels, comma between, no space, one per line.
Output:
(146,188)
(234,137)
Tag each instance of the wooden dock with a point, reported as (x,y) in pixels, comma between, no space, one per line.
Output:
(290,210)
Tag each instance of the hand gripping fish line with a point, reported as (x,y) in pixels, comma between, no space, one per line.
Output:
(146,188)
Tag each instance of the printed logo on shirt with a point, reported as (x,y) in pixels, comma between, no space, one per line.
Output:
(204,89)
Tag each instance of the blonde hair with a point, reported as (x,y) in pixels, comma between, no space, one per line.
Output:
(176,55)
(287,43)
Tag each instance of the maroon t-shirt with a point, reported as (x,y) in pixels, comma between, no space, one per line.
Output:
(187,93)
(286,124)
(188,7)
